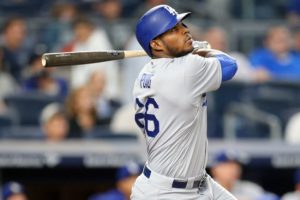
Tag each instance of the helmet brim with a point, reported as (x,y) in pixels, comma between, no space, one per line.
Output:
(172,24)
(182,16)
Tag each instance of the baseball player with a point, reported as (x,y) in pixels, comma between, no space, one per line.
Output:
(171,108)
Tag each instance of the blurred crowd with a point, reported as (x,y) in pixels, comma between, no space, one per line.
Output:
(226,169)
(124,178)
(87,99)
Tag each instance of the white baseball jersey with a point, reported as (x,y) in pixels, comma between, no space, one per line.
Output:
(171,110)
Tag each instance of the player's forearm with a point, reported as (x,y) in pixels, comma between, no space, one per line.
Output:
(228,66)
(228,63)
(203,48)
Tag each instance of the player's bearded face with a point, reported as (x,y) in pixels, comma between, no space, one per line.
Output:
(177,41)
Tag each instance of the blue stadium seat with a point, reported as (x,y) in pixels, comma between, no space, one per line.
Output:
(104,132)
(277,98)
(6,123)
(228,93)
(28,106)
(242,121)
(264,112)
(27,8)
(23,133)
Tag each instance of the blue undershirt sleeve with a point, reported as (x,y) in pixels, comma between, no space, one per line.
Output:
(228,66)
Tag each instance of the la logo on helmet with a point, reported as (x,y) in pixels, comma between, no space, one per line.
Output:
(170,10)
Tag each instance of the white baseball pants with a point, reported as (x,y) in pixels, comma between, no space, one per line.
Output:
(158,187)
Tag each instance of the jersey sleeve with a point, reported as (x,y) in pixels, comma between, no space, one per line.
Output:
(201,74)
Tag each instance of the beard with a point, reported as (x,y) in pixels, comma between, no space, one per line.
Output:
(175,53)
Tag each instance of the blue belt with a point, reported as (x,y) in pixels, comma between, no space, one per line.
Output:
(178,183)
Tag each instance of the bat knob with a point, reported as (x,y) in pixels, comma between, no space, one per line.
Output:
(44,60)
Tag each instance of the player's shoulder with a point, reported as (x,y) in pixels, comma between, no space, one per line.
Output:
(190,60)
(189,57)
(159,62)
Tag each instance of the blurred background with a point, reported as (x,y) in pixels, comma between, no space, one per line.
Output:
(69,132)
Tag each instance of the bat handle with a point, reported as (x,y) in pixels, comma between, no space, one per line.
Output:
(134,53)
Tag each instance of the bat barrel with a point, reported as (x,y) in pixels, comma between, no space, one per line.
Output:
(78,58)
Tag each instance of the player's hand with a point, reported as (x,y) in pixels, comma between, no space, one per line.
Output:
(201,48)
(201,45)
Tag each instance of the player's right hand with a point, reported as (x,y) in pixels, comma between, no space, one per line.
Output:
(201,45)
(201,48)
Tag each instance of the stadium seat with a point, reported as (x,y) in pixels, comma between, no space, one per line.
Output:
(104,132)
(27,107)
(6,123)
(23,133)
(243,121)
(276,98)
(220,100)
(258,111)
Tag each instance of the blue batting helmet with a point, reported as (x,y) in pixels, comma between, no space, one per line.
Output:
(130,169)
(225,156)
(11,188)
(155,22)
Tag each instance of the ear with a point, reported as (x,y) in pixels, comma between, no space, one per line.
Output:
(156,45)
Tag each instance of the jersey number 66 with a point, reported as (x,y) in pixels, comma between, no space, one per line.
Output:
(147,118)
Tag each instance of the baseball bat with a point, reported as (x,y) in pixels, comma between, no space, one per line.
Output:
(78,58)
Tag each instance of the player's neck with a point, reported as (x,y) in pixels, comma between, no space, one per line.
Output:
(161,54)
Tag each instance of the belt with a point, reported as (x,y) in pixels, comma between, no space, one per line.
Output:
(178,183)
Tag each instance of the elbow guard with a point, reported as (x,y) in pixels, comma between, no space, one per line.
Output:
(228,66)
